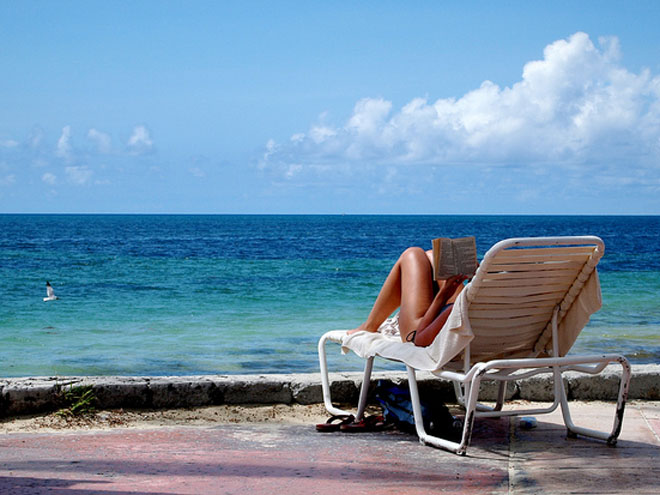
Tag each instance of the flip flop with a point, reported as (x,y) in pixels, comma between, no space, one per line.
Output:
(370,423)
(334,423)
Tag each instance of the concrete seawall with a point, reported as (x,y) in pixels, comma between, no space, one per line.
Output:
(22,396)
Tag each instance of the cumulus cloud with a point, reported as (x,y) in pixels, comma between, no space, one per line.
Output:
(100,139)
(63,148)
(576,105)
(140,141)
(78,175)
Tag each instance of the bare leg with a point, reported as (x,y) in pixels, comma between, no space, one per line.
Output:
(409,285)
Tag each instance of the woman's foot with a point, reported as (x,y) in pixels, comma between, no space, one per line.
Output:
(361,328)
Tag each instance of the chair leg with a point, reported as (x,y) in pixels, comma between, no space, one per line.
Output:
(462,391)
(501,395)
(573,430)
(364,389)
(458,391)
(325,381)
(425,438)
(621,400)
(560,395)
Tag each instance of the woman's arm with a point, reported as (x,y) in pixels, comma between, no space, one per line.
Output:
(434,318)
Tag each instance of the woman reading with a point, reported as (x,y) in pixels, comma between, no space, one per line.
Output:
(424,303)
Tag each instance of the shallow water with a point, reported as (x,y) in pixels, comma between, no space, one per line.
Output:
(177,294)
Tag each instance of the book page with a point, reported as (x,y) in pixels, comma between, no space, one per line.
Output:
(454,257)
(465,255)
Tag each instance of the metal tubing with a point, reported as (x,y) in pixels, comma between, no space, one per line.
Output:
(425,438)
(364,389)
(325,382)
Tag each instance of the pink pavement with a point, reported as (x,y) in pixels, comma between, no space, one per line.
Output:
(294,459)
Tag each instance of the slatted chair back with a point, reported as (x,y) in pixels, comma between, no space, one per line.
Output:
(516,288)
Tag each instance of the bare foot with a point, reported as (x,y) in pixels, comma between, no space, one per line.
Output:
(360,329)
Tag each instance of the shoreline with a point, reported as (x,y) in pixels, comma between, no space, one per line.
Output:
(36,395)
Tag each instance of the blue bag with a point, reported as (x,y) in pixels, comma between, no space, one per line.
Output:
(398,409)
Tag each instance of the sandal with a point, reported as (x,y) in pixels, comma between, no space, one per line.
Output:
(334,423)
(370,423)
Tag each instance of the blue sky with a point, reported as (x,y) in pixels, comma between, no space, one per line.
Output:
(330,107)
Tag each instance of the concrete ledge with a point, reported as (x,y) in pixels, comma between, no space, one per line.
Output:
(20,396)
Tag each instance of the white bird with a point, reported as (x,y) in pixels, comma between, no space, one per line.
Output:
(50,293)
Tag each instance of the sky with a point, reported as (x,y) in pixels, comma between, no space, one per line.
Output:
(383,107)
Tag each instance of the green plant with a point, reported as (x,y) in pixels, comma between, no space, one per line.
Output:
(77,401)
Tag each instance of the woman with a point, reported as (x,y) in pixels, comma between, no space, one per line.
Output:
(424,304)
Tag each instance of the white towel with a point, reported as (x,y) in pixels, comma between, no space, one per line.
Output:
(586,303)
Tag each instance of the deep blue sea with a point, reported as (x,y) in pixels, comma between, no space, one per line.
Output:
(196,294)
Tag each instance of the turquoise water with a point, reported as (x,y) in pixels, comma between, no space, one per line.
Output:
(175,295)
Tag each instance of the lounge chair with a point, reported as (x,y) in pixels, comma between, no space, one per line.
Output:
(518,317)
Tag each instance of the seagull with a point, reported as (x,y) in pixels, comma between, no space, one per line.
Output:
(50,294)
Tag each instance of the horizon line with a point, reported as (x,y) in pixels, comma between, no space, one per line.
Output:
(330,214)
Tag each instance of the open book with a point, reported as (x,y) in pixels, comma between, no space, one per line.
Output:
(454,257)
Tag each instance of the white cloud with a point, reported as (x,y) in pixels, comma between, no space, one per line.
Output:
(101,140)
(49,178)
(8,143)
(197,172)
(140,141)
(78,175)
(577,105)
(64,143)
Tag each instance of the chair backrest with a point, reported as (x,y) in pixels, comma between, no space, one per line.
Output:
(517,287)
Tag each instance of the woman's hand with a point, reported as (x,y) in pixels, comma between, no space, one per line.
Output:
(451,284)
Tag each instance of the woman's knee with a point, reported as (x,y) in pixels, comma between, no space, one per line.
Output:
(413,254)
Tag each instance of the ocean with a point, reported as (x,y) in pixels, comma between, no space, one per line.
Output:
(244,294)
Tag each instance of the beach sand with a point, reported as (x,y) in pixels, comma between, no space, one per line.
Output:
(201,416)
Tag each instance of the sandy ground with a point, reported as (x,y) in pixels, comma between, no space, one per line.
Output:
(103,420)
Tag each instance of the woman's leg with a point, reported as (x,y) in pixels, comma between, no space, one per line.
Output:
(409,285)
(417,289)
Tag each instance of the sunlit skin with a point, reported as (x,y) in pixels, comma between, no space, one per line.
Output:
(410,287)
